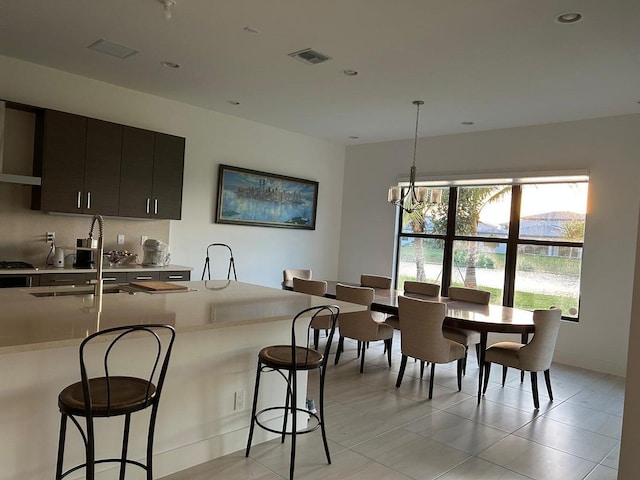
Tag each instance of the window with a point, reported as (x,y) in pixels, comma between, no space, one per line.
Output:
(522,242)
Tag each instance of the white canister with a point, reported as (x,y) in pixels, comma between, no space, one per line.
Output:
(58,258)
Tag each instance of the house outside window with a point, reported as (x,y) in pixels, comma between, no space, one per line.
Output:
(523,242)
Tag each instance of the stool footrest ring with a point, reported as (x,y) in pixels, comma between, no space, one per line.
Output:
(106,460)
(302,431)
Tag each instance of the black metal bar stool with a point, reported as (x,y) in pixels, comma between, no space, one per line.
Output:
(207,262)
(287,360)
(109,395)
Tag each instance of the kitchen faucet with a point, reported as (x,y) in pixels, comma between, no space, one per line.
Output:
(97,282)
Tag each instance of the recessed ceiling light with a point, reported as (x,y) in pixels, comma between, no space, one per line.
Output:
(233,102)
(569,17)
(350,73)
(169,64)
(353,137)
(466,123)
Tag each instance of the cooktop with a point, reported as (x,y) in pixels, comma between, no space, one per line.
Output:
(16,265)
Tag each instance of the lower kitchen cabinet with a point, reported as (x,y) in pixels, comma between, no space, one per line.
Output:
(182,276)
(58,279)
(114,277)
(139,276)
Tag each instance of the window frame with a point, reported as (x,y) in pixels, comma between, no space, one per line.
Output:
(512,241)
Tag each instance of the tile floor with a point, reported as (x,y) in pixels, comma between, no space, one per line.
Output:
(379,432)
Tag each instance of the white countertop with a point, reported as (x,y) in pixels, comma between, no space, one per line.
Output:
(133,267)
(28,322)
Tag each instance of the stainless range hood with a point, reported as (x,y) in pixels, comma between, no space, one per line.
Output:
(9,177)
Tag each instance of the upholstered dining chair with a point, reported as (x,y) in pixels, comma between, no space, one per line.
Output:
(318,288)
(535,356)
(288,274)
(361,326)
(375,281)
(462,335)
(421,337)
(421,288)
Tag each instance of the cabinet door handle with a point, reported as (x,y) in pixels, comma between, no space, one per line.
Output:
(175,277)
(155,206)
(148,205)
(144,278)
(78,200)
(109,279)
(88,200)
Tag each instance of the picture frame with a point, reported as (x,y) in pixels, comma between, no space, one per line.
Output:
(252,197)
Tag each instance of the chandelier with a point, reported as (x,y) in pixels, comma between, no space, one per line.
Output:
(414,197)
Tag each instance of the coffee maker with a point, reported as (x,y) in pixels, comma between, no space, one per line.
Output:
(85,258)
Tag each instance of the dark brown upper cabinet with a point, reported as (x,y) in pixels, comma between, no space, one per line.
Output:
(152,174)
(168,170)
(80,164)
(95,167)
(63,152)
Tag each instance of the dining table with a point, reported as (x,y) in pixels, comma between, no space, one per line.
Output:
(484,319)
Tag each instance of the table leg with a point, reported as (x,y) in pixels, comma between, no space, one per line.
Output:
(483,348)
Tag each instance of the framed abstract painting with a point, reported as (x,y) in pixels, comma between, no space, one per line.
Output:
(250,197)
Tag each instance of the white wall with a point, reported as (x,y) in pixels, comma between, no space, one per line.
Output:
(629,461)
(211,138)
(609,148)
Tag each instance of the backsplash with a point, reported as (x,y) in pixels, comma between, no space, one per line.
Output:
(23,231)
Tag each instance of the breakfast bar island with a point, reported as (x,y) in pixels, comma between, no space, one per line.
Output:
(205,406)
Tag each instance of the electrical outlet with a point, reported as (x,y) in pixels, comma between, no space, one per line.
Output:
(50,237)
(143,239)
(120,239)
(238,401)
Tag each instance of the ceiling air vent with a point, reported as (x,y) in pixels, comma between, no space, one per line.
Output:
(309,56)
(113,49)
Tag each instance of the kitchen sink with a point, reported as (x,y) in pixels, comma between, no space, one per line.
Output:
(74,292)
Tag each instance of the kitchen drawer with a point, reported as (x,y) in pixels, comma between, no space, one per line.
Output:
(137,276)
(114,277)
(56,279)
(177,276)
(17,280)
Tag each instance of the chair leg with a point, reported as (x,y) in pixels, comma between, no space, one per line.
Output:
(359,348)
(316,338)
(125,445)
(460,370)
(521,376)
(387,345)
(152,427)
(321,412)
(287,403)
(293,380)
(63,433)
(362,359)
(339,350)
(90,471)
(478,353)
(504,374)
(487,371)
(433,371)
(253,410)
(464,366)
(547,379)
(534,389)
(403,365)
(421,369)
